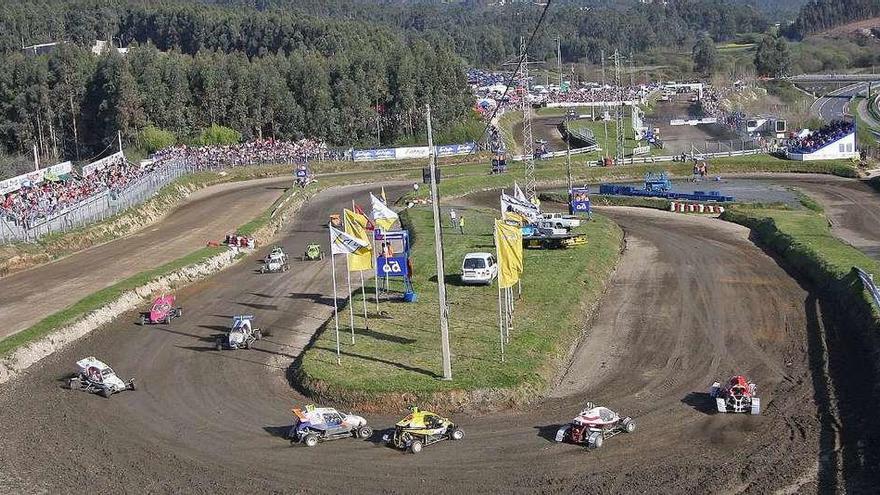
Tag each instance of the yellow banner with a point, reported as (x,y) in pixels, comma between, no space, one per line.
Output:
(514,218)
(508,240)
(362,259)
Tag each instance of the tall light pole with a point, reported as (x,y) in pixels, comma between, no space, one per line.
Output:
(438,252)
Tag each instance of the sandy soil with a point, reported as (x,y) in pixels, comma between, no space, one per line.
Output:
(695,302)
(30,295)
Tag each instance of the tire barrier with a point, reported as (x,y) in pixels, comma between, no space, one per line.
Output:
(699,208)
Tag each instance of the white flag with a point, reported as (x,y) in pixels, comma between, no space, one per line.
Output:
(342,243)
(524,208)
(518,193)
(383,216)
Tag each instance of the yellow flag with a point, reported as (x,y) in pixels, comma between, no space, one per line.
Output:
(362,259)
(514,218)
(508,240)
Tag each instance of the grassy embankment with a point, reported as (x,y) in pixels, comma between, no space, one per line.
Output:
(398,358)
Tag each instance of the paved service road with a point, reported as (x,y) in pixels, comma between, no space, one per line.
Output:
(693,301)
(33,294)
(835,105)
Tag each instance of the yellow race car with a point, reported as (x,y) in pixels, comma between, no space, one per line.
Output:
(421,428)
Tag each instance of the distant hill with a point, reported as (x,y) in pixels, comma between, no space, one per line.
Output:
(821,15)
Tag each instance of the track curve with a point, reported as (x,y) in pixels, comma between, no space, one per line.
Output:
(30,295)
(693,301)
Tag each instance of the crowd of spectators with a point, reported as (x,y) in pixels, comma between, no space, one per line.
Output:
(821,137)
(34,201)
(596,94)
(249,153)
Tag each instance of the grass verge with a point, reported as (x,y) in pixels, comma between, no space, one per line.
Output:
(99,299)
(805,243)
(398,358)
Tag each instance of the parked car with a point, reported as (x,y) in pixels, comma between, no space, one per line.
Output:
(560,221)
(479,268)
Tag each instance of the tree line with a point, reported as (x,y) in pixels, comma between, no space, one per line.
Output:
(819,15)
(280,75)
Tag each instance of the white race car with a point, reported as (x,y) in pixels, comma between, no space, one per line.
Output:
(320,424)
(96,377)
(593,425)
(275,261)
(241,335)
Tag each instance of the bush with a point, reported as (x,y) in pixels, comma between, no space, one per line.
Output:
(152,139)
(218,135)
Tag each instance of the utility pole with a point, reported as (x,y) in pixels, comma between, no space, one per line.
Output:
(568,147)
(559,60)
(619,110)
(438,252)
(528,142)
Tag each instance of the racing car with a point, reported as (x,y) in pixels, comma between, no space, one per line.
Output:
(420,429)
(275,261)
(593,425)
(313,252)
(736,396)
(161,311)
(96,377)
(320,424)
(241,335)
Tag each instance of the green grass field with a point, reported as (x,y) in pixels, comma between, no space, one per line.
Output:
(401,353)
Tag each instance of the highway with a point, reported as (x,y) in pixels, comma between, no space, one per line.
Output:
(835,104)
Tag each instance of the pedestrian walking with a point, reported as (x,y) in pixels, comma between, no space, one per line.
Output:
(452,216)
(461,224)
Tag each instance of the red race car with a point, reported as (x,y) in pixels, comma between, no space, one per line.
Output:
(162,311)
(593,425)
(736,396)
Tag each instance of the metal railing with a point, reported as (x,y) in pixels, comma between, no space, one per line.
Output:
(96,208)
(868,282)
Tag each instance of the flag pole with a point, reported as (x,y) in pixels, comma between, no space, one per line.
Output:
(350,300)
(364,299)
(500,313)
(335,305)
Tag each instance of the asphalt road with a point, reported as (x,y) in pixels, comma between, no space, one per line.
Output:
(835,105)
(693,301)
(210,213)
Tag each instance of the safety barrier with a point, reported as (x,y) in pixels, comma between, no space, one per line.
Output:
(706,209)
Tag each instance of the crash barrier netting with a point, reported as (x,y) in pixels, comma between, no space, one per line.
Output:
(96,208)
(577,137)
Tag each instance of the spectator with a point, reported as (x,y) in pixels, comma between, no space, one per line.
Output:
(461,224)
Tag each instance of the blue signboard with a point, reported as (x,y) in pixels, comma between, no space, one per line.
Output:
(374,154)
(392,266)
(455,149)
(302,173)
(579,200)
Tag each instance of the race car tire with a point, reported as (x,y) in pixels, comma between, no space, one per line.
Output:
(73,382)
(131,385)
(416,446)
(178,312)
(218,346)
(629,425)
(106,393)
(457,434)
(258,334)
(595,441)
(311,440)
(143,320)
(364,432)
(246,344)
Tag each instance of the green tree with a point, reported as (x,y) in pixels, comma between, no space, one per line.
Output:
(152,139)
(219,135)
(705,55)
(772,58)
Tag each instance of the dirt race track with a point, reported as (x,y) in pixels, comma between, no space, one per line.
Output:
(33,294)
(693,301)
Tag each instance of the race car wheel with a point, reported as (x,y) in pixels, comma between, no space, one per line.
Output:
(131,385)
(106,393)
(143,320)
(73,382)
(457,434)
(218,346)
(311,440)
(179,312)
(364,432)
(596,442)
(629,425)
(416,446)
(258,334)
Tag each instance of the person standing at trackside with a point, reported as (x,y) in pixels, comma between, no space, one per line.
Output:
(452,216)
(461,224)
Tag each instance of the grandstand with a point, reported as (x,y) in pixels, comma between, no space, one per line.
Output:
(835,141)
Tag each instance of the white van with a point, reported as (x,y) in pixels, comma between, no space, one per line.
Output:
(479,268)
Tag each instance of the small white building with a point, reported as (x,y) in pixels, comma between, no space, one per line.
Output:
(842,149)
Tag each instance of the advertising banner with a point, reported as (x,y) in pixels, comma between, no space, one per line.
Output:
(391,266)
(373,155)
(579,200)
(35,177)
(101,164)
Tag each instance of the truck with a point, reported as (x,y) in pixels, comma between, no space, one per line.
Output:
(559,221)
